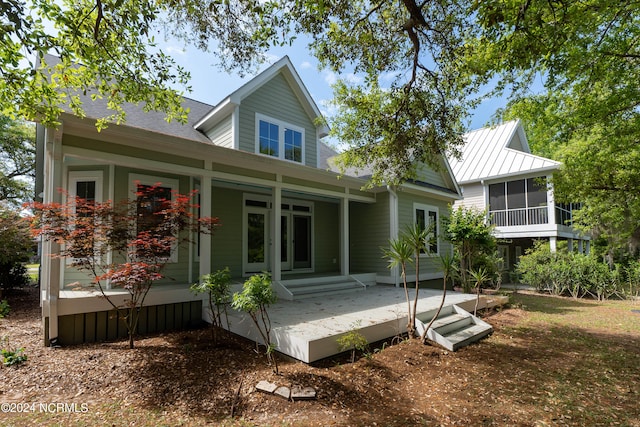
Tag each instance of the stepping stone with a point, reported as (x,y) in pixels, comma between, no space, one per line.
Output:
(283,392)
(303,393)
(266,387)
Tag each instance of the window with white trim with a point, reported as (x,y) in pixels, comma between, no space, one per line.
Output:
(279,139)
(86,185)
(84,188)
(150,203)
(426,217)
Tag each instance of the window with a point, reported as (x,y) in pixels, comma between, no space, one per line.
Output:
(87,185)
(279,139)
(427,218)
(156,192)
(293,145)
(519,202)
(269,143)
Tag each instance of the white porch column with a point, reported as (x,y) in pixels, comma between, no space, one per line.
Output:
(553,244)
(276,265)
(570,245)
(580,246)
(206,201)
(551,203)
(344,235)
(393,227)
(52,272)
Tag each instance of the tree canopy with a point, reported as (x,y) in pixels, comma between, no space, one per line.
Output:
(17,161)
(587,116)
(424,64)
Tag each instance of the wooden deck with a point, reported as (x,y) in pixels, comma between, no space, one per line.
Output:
(307,329)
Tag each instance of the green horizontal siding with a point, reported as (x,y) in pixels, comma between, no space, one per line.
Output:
(276,99)
(369,232)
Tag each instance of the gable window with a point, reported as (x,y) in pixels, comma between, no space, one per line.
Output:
(279,139)
(152,195)
(426,217)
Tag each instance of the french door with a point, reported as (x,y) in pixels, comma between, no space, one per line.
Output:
(295,236)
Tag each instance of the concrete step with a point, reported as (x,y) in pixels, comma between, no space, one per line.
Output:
(453,322)
(326,288)
(467,335)
(455,329)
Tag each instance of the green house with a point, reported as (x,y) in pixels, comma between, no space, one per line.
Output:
(259,164)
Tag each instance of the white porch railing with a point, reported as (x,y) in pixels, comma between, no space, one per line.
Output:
(524,216)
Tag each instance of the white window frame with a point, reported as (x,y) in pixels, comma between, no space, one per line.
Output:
(427,209)
(150,180)
(85,176)
(74,178)
(281,129)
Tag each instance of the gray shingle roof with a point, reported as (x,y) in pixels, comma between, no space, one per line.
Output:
(153,121)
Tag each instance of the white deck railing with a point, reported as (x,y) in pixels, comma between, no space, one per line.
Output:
(516,217)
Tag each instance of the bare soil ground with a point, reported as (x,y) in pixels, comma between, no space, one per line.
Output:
(546,364)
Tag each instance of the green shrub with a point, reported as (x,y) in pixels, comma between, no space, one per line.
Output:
(13,357)
(217,286)
(577,275)
(4,308)
(353,340)
(15,249)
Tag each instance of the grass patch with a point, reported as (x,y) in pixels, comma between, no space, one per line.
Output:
(612,316)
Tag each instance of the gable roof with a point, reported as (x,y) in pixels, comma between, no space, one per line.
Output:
(282,66)
(498,152)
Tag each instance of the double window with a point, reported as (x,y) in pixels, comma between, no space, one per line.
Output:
(279,139)
(426,217)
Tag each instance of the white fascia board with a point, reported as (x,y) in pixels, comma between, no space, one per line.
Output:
(510,176)
(452,176)
(417,189)
(219,112)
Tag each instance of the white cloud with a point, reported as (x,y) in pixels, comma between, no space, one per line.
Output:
(176,50)
(305,65)
(330,77)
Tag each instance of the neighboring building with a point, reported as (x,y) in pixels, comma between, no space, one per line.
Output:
(259,164)
(498,173)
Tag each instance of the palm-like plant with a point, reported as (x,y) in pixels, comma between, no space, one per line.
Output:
(399,254)
(416,236)
(480,277)
(449,267)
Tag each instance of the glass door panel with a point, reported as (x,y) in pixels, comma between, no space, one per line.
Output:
(301,241)
(256,240)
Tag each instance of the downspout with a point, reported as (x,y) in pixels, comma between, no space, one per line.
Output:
(393,227)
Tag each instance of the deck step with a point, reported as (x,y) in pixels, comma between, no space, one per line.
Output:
(455,328)
(469,334)
(325,288)
(329,285)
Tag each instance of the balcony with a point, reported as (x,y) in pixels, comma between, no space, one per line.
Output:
(533,216)
(518,217)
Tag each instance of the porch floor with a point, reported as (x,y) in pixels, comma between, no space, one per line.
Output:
(307,329)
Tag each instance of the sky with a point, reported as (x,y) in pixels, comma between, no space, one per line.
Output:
(211,85)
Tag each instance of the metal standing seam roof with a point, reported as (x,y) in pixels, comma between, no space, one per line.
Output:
(491,153)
